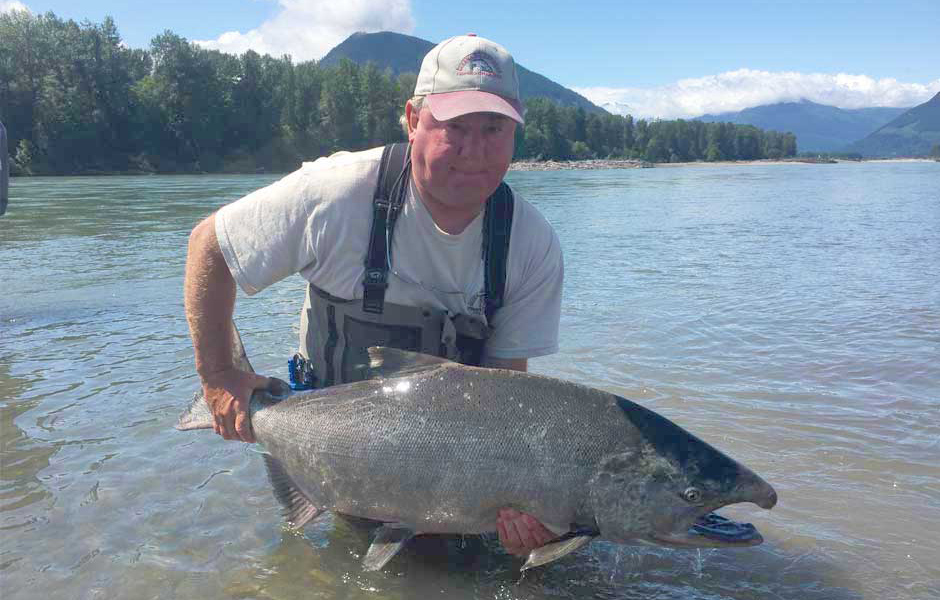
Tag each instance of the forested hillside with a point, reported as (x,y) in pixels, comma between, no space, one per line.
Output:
(914,133)
(74,99)
(819,128)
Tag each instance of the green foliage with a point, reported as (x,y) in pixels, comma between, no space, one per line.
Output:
(23,159)
(581,151)
(75,100)
(935,151)
(555,132)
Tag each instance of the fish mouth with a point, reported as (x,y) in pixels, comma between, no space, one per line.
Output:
(711,530)
(708,529)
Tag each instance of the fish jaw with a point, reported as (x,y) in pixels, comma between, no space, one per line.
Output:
(711,530)
(704,528)
(650,497)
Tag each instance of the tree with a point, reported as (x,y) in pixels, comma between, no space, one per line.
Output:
(535,144)
(594,131)
(788,144)
(25,52)
(23,159)
(304,124)
(656,150)
(640,138)
(628,140)
(190,95)
(378,109)
(747,143)
(581,151)
(339,107)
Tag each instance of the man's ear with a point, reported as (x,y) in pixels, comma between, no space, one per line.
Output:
(411,116)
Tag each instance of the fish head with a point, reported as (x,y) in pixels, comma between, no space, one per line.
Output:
(663,486)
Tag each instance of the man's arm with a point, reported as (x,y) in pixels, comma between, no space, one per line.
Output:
(209,294)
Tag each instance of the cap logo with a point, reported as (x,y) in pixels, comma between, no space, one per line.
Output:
(479,63)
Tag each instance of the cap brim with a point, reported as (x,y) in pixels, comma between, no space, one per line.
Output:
(450,105)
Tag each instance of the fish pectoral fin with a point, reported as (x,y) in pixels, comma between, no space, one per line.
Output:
(555,550)
(385,362)
(298,509)
(386,544)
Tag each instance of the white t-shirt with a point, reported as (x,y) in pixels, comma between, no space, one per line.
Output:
(317,221)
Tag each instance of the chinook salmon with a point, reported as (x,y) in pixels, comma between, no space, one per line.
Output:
(429,446)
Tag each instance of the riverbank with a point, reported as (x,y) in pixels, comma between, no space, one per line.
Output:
(526,165)
(567,165)
(553,165)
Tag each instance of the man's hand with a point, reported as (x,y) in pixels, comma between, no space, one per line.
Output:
(228,393)
(520,533)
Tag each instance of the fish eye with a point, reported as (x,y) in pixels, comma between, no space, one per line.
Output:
(692,495)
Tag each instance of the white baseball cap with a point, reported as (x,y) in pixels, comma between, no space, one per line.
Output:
(468,74)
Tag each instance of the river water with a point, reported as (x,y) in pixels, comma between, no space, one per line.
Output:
(789,314)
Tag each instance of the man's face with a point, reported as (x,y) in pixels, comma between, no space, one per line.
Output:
(458,163)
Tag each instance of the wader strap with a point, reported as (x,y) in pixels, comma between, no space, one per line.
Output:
(497,224)
(394,173)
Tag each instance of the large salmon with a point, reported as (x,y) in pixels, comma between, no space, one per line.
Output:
(431,446)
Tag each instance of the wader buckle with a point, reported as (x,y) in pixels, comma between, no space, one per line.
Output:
(373,297)
(376,277)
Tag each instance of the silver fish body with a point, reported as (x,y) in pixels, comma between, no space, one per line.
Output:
(443,450)
(431,446)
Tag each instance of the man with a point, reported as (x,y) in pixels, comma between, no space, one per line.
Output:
(405,270)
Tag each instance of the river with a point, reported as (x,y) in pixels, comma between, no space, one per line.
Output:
(789,314)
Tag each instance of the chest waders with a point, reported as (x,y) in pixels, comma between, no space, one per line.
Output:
(337,332)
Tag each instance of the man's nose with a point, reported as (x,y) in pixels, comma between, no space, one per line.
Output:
(474,145)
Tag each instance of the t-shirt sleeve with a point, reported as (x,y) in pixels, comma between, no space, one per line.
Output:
(267,235)
(527,324)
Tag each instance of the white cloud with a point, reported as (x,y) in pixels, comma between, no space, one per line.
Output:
(744,88)
(11,5)
(308,29)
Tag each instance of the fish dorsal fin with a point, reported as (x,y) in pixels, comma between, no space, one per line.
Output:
(385,362)
(239,357)
(298,509)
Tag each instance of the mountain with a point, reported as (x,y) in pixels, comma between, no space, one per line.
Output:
(818,128)
(913,133)
(398,52)
(403,54)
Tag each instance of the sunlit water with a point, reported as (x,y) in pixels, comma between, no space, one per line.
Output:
(788,314)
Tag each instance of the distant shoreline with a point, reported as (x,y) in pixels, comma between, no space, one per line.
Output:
(530,165)
(597,164)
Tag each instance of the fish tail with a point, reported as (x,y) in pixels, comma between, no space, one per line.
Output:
(197,416)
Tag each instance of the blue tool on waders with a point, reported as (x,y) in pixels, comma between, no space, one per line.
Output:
(301,373)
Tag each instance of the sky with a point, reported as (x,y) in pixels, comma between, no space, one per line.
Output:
(664,59)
